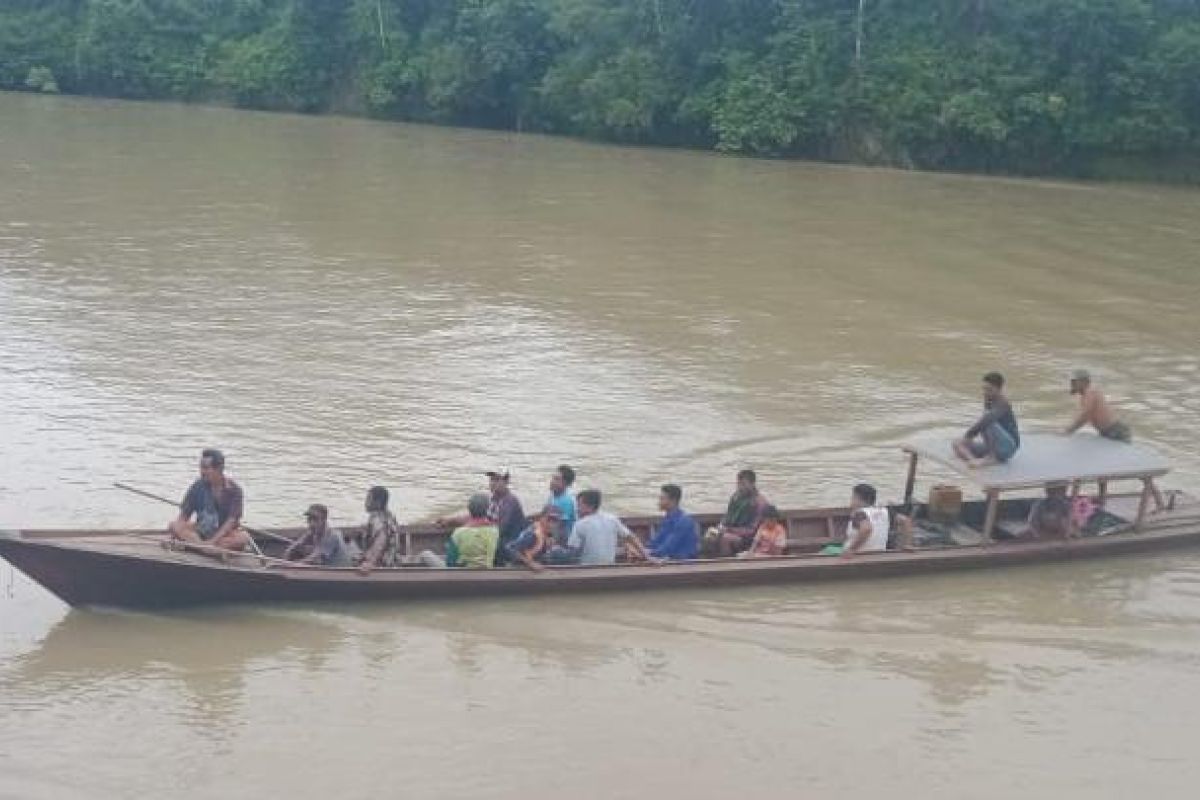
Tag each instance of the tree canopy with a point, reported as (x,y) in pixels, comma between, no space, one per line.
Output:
(1018,85)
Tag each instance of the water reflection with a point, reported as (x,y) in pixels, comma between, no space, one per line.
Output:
(203,657)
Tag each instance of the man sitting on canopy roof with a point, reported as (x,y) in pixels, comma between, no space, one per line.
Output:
(994,438)
(1095,410)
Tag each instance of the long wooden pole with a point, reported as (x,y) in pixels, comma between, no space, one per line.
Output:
(216,552)
(161,499)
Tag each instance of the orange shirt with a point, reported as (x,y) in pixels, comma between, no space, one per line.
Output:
(771,539)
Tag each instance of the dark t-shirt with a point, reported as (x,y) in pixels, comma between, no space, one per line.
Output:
(744,513)
(1051,516)
(998,411)
(212,511)
(508,515)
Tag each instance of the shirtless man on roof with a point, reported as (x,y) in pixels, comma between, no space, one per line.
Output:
(1094,409)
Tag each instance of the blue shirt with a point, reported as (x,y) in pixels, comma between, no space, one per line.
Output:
(676,538)
(332,550)
(565,503)
(523,543)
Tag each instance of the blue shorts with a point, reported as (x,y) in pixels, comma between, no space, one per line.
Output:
(996,441)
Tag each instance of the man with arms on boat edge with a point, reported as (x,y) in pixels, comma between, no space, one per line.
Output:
(597,536)
(994,438)
(1095,409)
(216,503)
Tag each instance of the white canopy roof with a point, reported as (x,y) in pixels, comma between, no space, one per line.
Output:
(1050,458)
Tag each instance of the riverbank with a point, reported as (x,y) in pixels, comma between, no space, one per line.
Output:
(1181,169)
(1024,87)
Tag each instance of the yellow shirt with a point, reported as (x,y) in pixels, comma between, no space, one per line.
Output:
(473,546)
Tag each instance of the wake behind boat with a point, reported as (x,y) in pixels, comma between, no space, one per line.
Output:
(133,569)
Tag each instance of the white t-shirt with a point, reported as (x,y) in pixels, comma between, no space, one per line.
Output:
(597,537)
(880,523)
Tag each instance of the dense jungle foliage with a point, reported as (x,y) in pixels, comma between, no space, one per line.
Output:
(1002,85)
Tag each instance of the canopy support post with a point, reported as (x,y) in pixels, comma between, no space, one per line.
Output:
(993,507)
(1073,528)
(1103,498)
(1143,501)
(910,483)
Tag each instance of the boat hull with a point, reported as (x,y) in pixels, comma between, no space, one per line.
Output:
(89,573)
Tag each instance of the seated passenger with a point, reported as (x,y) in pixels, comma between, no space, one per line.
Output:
(867,530)
(994,438)
(216,502)
(560,495)
(596,536)
(742,517)
(532,545)
(380,537)
(771,538)
(1050,517)
(321,544)
(505,510)
(677,538)
(474,543)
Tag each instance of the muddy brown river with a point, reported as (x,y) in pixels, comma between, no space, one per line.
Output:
(339,302)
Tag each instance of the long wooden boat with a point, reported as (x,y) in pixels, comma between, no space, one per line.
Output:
(133,569)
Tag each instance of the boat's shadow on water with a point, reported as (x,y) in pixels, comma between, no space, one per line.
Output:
(205,656)
(959,636)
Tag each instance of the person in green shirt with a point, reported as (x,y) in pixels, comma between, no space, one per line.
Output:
(474,543)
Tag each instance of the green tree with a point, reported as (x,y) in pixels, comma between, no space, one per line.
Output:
(1018,85)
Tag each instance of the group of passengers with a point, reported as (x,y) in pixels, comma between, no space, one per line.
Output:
(573,529)
(576,530)
(569,529)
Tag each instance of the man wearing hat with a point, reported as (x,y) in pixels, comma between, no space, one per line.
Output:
(320,545)
(1094,409)
(505,510)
